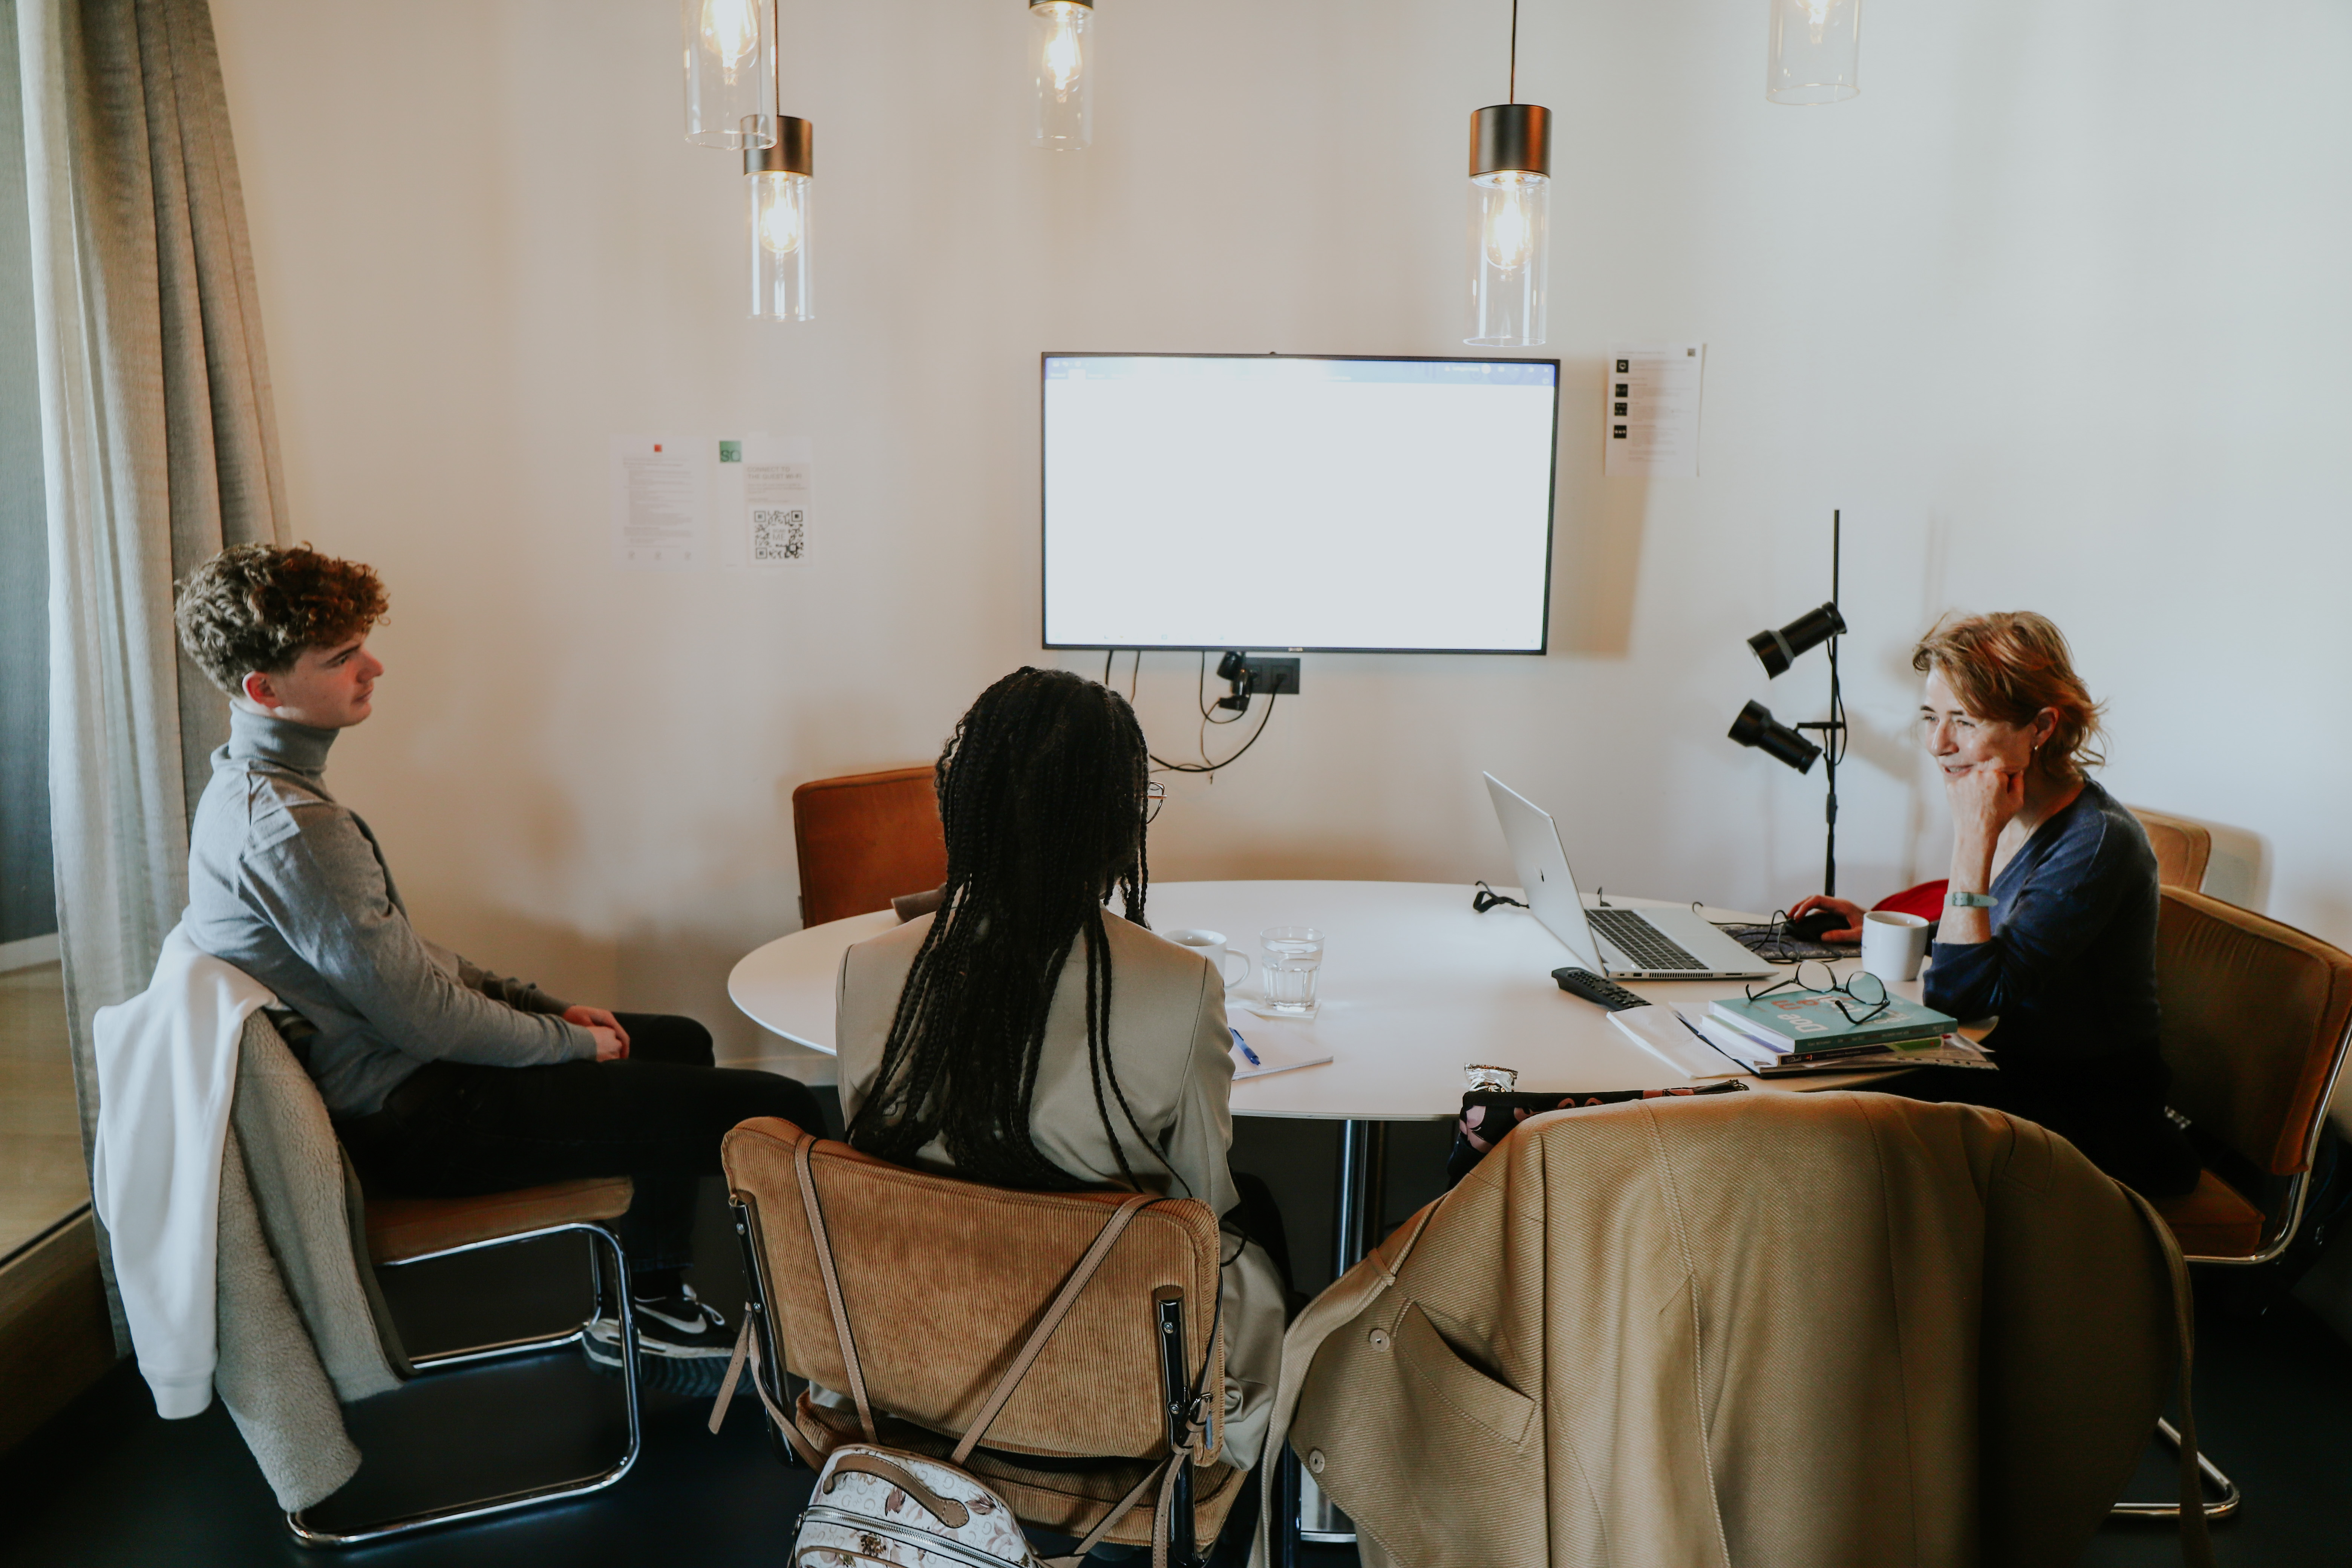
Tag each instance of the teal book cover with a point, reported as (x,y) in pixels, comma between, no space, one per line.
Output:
(1811,1021)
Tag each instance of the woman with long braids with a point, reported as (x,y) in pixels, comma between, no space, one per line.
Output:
(1025,1036)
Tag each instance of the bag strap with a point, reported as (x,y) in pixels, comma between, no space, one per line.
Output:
(1163,1475)
(2196,1543)
(811,1450)
(1055,1312)
(800,1152)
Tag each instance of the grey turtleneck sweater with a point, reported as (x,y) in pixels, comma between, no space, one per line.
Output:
(289,885)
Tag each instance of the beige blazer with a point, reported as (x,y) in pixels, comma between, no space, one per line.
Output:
(1172,1052)
(1807,1331)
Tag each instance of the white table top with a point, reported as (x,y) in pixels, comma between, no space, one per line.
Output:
(1414,986)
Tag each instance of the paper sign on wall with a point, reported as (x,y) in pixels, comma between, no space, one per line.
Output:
(658,503)
(1649,411)
(776,502)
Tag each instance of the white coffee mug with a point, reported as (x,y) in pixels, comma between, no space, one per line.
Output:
(1892,945)
(1210,945)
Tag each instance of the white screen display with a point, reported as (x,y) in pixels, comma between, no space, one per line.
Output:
(1217,502)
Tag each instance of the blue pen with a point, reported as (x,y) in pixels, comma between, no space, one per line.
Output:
(1242,1046)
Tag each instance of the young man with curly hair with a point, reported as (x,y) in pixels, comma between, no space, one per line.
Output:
(443,1079)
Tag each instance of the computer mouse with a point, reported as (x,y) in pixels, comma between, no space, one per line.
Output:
(1815,927)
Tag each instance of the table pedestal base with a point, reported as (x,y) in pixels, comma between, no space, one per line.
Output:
(1361,1181)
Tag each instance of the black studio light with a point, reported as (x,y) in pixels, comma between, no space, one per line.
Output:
(1756,727)
(1776,651)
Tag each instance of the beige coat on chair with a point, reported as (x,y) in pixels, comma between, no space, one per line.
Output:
(1807,1331)
(1172,1052)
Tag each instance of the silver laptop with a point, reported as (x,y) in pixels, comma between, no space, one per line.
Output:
(1672,943)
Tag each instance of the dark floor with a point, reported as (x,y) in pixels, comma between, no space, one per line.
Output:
(107,1483)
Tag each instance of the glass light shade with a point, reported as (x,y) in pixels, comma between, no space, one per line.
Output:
(1816,45)
(730,73)
(780,246)
(1510,256)
(1064,60)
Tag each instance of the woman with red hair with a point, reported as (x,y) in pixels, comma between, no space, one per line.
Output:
(2049,917)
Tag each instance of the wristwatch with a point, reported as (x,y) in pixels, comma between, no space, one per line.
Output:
(1972,901)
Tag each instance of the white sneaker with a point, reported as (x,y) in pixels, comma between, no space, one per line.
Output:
(683,1344)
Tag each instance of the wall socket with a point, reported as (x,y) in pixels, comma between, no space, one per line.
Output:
(1272,676)
(1256,678)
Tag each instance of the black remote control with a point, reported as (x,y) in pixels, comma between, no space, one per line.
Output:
(1597,989)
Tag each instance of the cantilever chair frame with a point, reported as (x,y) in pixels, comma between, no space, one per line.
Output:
(2299,1185)
(482,1508)
(2273,1246)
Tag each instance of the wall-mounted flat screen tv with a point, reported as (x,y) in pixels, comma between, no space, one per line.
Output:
(1319,503)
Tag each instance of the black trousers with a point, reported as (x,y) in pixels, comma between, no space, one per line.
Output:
(2111,1108)
(1258,1219)
(457,1129)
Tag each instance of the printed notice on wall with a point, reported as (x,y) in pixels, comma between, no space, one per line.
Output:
(776,510)
(656,485)
(1649,408)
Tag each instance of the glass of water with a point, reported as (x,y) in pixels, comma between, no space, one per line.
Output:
(1293,957)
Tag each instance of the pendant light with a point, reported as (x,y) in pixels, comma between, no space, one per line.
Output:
(1063,57)
(1510,217)
(1816,45)
(781,178)
(730,73)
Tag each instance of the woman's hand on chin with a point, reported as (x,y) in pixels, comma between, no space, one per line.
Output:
(1816,902)
(1983,800)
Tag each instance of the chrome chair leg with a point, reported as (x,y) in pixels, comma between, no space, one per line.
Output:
(2221,1508)
(311,1535)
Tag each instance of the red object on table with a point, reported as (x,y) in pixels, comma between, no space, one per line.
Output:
(1925,900)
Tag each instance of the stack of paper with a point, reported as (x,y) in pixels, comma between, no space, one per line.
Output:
(1661,1032)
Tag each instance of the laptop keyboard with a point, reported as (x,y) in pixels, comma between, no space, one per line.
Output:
(1640,941)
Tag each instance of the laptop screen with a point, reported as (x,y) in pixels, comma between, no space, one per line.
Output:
(1543,872)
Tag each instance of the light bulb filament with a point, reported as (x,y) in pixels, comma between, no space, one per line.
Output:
(780,217)
(730,30)
(1065,58)
(1510,230)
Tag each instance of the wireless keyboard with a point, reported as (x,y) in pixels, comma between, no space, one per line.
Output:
(1597,989)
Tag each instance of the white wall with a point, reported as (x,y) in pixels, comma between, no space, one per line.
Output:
(2055,312)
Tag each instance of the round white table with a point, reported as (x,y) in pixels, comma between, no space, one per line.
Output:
(1415,986)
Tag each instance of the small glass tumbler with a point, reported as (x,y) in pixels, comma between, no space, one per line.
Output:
(1292,958)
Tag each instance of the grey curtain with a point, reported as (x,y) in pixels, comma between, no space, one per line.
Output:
(159,448)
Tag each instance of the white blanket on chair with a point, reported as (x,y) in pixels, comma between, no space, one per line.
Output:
(166,1073)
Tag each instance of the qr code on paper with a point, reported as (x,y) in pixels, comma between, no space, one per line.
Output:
(777,533)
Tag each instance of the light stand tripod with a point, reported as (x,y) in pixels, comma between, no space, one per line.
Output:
(1777,651)
(1834,727)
